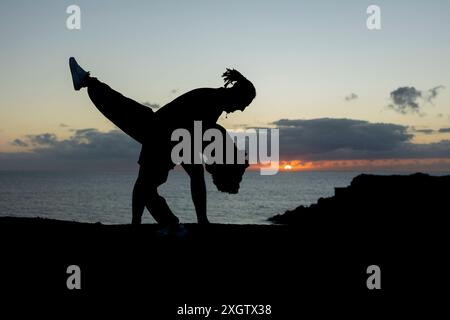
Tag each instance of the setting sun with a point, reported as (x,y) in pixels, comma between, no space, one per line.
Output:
(288,167)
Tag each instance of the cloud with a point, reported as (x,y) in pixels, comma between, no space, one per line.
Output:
(337,139)
(409,99)
(19,143)
(86,148)
(350,97)
(444,130)
(63,125)
(84,132)
(306,140)
(405,99)
(424,131)
(42,139)
(433,93)
(151,105)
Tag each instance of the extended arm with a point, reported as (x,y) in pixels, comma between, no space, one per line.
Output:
(198,191)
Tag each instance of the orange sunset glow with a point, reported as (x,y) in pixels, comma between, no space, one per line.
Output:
(433,164)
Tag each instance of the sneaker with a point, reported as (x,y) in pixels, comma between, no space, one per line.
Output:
(79,76)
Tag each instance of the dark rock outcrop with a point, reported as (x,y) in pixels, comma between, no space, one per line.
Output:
(376,201)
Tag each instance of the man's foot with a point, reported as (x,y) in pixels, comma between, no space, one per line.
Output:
(79,76)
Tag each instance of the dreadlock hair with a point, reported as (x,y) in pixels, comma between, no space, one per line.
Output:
(241,86)
(227,176)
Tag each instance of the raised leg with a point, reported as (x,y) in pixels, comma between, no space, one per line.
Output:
(130,116)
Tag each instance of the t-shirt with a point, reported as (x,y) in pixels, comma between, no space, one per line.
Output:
(204,104)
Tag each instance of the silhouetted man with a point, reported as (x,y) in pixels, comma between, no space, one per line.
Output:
(153,130)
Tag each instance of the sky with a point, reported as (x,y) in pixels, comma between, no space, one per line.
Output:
(342,95)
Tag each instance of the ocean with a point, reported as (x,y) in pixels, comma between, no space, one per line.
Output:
(106,196)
